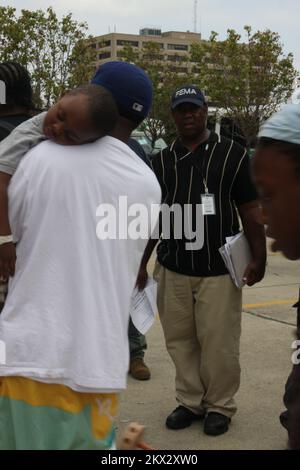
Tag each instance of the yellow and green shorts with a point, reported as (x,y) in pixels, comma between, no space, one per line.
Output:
(40,416)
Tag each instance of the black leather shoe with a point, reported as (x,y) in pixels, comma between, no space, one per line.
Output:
(181,418)
(216,424)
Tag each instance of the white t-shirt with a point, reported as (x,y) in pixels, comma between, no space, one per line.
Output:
(66,315)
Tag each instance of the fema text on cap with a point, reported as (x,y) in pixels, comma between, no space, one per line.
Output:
(186,91)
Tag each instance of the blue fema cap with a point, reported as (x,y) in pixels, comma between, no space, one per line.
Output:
(283,125)
(130,86)
(187,94)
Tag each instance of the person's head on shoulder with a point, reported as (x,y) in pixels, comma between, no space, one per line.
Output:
(17,89)
(276,171)
(81,116)
(189,111)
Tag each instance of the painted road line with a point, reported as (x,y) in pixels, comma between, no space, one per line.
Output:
(268,304)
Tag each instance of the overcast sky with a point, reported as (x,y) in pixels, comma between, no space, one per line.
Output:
(127,16)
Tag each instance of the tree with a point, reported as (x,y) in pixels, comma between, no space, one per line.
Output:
(247,80)
(165,80)
(56,52)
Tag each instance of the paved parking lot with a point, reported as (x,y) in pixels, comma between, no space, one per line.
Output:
(268,326)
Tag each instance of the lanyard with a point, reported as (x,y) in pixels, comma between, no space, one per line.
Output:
(202,170)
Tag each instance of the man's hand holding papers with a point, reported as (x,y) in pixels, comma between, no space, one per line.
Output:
(237,258)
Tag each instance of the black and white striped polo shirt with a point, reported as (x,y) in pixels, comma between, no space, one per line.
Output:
(224,164)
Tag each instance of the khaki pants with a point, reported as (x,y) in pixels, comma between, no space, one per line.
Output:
(201,320)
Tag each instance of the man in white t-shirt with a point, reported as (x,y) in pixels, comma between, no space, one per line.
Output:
(64,324)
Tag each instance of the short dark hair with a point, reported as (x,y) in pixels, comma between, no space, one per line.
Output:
(17,84)
(291,150)
(102,106)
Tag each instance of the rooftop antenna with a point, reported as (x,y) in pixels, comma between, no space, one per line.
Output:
(195,15)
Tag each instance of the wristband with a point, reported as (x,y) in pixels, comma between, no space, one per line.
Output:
(5,239)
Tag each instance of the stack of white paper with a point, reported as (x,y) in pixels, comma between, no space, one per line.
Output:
(236,255)
(143,306)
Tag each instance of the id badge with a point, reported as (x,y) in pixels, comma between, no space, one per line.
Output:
(208,204)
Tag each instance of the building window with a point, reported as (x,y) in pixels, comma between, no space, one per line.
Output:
(150,32)
(94,45)
(153,57)
(150,42)
(123,42)
(104,44)
(104,55)
(176,58)
(178,47)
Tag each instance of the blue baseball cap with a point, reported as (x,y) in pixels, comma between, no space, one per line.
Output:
(187,94)
(130,86)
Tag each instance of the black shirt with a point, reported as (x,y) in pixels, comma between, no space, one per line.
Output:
(138,149)
(224,165)
(13,121)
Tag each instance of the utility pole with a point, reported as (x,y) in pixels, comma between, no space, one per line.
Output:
(195,15)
